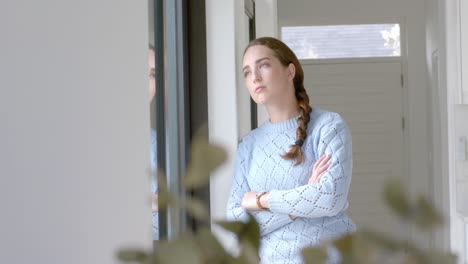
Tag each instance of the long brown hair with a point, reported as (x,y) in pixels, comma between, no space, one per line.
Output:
(286,56)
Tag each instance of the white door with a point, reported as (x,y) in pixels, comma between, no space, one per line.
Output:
(368,95)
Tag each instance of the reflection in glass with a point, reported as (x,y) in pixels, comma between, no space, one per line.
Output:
(153,152)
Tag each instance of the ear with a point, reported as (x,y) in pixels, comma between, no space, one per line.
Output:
(291,71)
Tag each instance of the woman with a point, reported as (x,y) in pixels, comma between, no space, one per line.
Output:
(153,151)
(293,172)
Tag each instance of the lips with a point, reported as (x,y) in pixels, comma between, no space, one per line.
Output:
(259,89)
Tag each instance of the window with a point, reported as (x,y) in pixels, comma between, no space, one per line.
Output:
(343,41)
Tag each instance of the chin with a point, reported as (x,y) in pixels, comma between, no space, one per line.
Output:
(260,100)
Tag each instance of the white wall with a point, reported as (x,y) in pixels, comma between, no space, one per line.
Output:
(450,185)
(243,97)
(266,25)
(437,123)
(222,99)
(463,94)
(266,15)
(74,128)
(461,179)
(459,188)
(456,116)
(411,14)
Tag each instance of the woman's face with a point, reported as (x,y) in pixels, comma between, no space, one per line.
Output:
(152,74)
(266,78)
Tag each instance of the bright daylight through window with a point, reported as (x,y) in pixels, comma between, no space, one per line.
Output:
(343,41)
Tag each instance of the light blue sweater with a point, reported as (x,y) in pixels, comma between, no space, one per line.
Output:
(154,182)
(320,207)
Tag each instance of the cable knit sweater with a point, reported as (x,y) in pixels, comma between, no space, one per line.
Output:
(320,206)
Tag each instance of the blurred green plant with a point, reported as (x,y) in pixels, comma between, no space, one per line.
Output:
(361,247)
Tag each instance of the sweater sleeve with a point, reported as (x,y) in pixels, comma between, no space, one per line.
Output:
(329,196)
(268,221)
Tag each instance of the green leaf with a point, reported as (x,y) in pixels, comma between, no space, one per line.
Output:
(439,257)
(314,255)
(381,240)
(182,250)
(367,250)
(345,245)
(251,233)
(425,216)
(132,255)
(212,250)
(249,254)
(204,158)
(164,198)
(395,197)
(233,226)
(246,232)
(197,209)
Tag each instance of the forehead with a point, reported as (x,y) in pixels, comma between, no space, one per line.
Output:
(257,52)
(151,58)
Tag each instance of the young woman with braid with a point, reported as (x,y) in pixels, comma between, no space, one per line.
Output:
(294,171)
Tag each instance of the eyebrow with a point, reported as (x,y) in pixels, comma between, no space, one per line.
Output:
(256,62)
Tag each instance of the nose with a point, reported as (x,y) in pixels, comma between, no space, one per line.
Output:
(256,76)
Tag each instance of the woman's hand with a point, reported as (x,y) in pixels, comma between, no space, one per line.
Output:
(320,167)
(249,201)
(154,202)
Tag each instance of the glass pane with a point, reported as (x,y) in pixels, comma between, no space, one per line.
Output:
(168,89)
(153,151)
(152,107)
(343,41)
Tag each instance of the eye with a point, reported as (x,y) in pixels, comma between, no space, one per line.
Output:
(263,65)
(246,73)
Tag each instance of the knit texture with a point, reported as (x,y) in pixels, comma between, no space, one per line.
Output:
(154,182)
(320,206)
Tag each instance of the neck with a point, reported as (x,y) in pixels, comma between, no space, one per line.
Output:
(283,112)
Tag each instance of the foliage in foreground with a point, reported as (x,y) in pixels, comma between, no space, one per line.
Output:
(362,247)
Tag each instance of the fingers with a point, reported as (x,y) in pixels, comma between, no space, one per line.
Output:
(321,174)
(322,168)
(316,164)
(322,161)
(292,217)
(325,160)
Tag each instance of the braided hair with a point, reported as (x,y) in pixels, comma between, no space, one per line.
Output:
(286,56)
